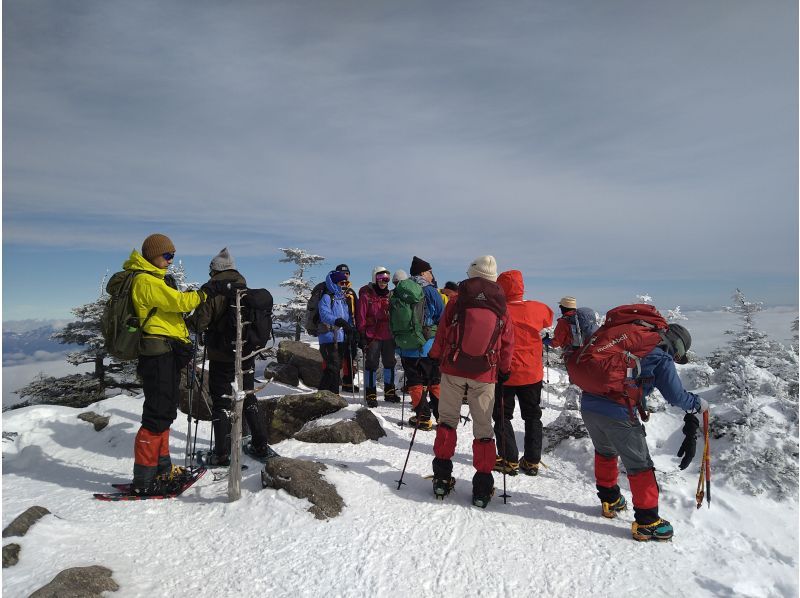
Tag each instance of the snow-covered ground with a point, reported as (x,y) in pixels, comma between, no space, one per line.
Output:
(548,540)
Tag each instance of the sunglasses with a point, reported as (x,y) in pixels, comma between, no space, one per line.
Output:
(168,256)
(342,283)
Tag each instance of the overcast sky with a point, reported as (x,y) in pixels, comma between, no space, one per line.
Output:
(603,148)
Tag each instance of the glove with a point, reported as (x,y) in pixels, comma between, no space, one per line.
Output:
(703,407)
(502,377)
(689,444)
(343,324)
(210,290)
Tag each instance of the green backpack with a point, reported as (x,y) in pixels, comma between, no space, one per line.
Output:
(406,314)
(119,322)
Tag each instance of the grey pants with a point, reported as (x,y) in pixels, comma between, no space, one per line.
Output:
(624,438)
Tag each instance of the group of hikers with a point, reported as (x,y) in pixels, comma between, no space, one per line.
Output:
(477,342)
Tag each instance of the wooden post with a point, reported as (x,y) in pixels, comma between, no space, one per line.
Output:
(237,398)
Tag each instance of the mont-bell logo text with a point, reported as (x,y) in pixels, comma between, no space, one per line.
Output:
(613,342)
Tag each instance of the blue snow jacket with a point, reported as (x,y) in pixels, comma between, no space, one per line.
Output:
(434,308)
(330,309)
(658,370)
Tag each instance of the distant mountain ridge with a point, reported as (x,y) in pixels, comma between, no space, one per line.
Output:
(29,340)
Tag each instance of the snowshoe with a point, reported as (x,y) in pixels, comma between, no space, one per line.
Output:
(443,487)
(425,423)
(528,467)
(610,509)
(508,467)
(661,530)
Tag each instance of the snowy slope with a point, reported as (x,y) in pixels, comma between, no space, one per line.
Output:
(548,540)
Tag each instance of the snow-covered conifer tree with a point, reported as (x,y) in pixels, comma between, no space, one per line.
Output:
(293,311)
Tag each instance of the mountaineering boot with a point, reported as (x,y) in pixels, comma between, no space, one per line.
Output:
(528,467)
(259,453)
(425,423)
(372,396)
(483,500)
(610,509)
(507,467)
(661,529)
(443,486)
(390,394)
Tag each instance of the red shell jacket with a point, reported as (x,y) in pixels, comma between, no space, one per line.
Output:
(562,335)
(529,318)
(372,316)
(504,347)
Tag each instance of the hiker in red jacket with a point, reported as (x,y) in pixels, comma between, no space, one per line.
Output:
(372,319)
(473,344)
(525,382)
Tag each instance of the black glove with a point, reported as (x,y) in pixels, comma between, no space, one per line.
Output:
(689,444)
(502,377)
(343,324)
(210,289)
(548,342)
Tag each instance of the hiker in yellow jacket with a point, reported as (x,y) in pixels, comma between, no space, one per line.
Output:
(165,349)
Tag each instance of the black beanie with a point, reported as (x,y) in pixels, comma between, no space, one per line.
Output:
(419,266)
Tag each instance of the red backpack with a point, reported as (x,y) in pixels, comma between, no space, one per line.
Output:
(476,325)
(609,362)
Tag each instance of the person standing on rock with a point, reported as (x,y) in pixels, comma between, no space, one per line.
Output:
(213,319)
(376,336)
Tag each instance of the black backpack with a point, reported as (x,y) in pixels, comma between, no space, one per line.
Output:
(312,323)
(256,312)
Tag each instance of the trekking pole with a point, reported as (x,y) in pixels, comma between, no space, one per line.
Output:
(547,373)
(197,420)
(190,378)
(403,402)
(400,482)
(505,494)
(705,469)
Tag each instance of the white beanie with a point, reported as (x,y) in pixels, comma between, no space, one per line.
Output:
(484,266)
(377,270)
(223,261)
(399,275)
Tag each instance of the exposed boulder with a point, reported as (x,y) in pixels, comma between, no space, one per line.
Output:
(306,359)
(99,421)
(287,416)
(342,432)
(79,582)
(569,424)
(23,522)
(303,479)
(285,373)
(10,555)
(370,424)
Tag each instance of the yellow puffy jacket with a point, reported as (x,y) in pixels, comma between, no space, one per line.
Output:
(151,291)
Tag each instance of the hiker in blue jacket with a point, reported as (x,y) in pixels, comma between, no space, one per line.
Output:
(335,322)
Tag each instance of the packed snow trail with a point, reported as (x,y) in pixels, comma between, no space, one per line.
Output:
(550,538)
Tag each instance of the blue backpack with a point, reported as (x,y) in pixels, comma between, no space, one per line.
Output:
(582,324)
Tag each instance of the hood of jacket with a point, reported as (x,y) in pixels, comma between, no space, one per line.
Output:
(512,284)
(229,276)
(333,288)
(136,261)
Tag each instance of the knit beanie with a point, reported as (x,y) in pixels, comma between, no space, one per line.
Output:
(484,266)
(451,286)
(676,331)
(342,268)
(419,266)
(568,302)
(337,276)
(223,261)
(399,275)
(377,270)
(155,245)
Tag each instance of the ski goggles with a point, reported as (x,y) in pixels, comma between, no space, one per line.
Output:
(168,256)
(382,278)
